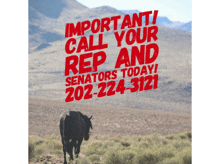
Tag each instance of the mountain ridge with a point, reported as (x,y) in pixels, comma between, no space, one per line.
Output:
(161,20)
(186,27)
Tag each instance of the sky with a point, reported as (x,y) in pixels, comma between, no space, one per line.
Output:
(175,10)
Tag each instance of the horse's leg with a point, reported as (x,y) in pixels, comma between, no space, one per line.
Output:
(77,148)
(64,154)
(70,151)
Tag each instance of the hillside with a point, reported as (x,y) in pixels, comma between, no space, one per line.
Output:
(47,61)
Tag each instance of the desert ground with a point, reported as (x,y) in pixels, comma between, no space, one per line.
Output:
(44,119)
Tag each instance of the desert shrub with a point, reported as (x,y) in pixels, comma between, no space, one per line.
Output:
(53,137)
(94,148)
(170,137)
(127,156)
(124,143)
(182,136)
(185,135)
(182,157)
(94,144)
(31,153)
(164,152)
(137,138)
(57,152)
(122,156)
(153,140)
(112,157)
(188,134)
(143,144)
(149,141)
(186,155)
(156,138)
(165,141)
(99,137)
(33,142)
(108,143)
(174,160)
(90,151)
(155,155)
(80,161)
(146,157)
(49,145)
(53,144)
(96,137)
(116,139)
(180,144)
(94,158)
(41,149)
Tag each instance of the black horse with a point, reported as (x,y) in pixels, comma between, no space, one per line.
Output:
(74,126)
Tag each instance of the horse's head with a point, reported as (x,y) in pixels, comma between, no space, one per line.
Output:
(88,126)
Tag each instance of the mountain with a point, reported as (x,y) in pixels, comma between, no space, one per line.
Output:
(164,21)
(47,59)
(47,26)
(43,13)
(161,21)
(130,12)
(185,27)
(52,8)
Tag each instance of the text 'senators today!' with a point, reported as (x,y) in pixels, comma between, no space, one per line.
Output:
(138,65)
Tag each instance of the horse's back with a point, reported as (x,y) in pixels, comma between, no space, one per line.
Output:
(71,124)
